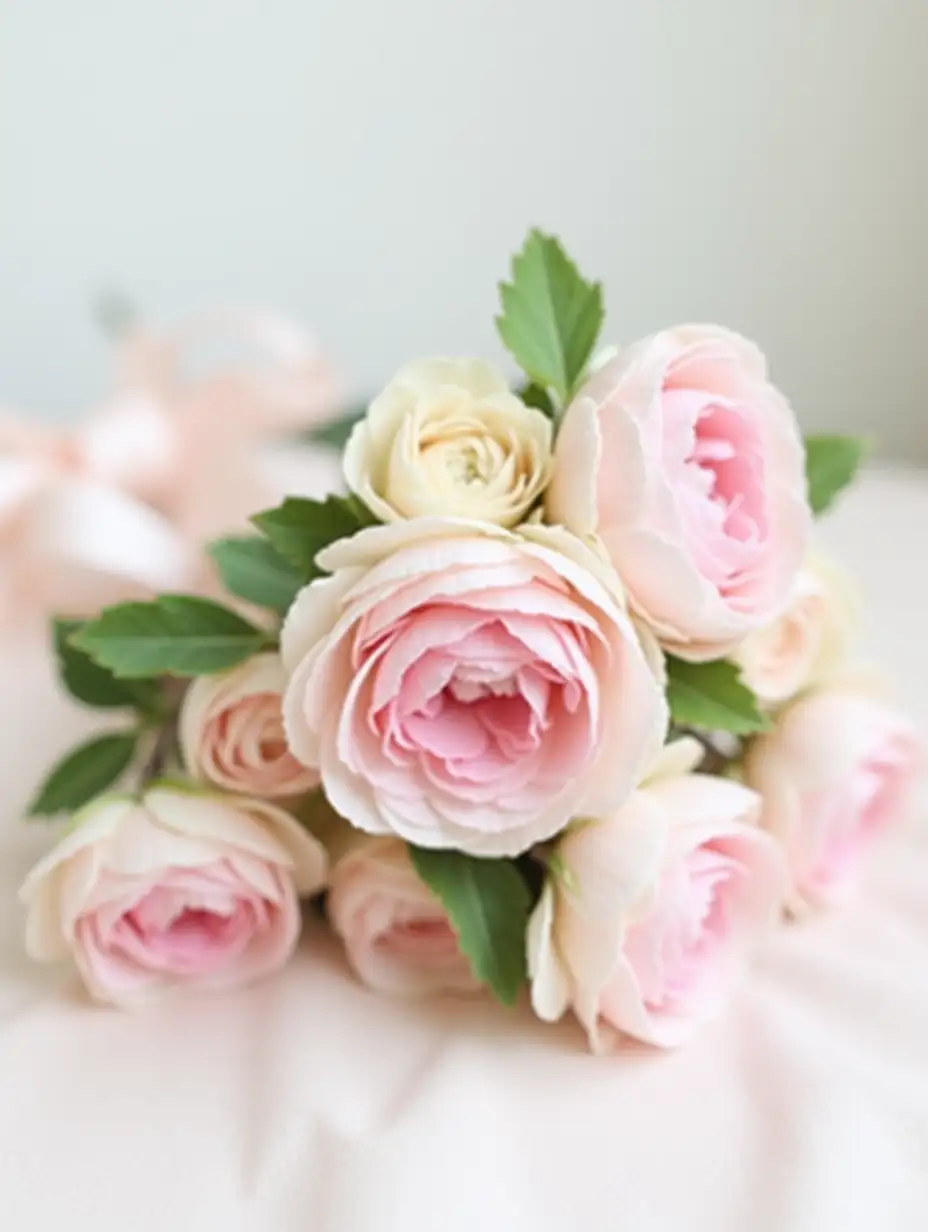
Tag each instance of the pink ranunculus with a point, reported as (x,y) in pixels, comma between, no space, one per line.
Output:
(178,889)
(834,774)
(460,685)
(396,932)
(649,916)
(232,733)
(688,463)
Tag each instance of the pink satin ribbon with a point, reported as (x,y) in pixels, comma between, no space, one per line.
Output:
(122,505)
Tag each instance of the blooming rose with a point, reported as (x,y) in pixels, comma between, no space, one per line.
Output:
(689,465)
(447,436)
(806,642)
(649,916)
(462,686)
(232,732)
(395,930)
(834,773)
(177,889)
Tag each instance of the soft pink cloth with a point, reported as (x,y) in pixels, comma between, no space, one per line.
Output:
(121,504)
(311,1103)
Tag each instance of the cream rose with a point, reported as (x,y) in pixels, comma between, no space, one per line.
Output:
(688,464)
(448,437)
(396,932)
(649,916)
(834,774)
(807,642)
(177,889)
(232,733)
(459,685)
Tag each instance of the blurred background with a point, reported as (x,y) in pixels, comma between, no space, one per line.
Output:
(369,166)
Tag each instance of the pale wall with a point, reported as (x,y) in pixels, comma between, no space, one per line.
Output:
(369,164)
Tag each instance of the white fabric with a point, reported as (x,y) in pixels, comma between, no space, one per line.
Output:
(310,1104)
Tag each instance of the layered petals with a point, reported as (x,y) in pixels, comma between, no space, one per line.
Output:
(448,436)
(460,686)
(650,915)
(178,889)
(232,734)
(689,466)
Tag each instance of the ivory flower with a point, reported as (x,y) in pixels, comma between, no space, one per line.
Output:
(448,437)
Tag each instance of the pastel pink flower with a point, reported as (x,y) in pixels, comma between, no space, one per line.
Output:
(835,773)
(460,685)
(396,932)
(176,890)
(688,463)
(650,916)
(232,733)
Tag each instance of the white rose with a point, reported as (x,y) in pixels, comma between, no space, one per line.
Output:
(807,642)
(448,437)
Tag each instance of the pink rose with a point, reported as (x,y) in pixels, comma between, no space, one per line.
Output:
(460,685)
(179,889)
(396,932)
(834,774)
(232,732)
(649,917)
(687,462)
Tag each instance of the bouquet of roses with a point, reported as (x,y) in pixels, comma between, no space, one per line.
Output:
(555,696)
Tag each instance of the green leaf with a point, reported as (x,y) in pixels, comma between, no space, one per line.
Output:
(831,464)
(300,528)
(711,696)
(337,431)
(88,682)
(85,772)
(175,635)
(534,395)
(488,904)
(551,316)
(253,570)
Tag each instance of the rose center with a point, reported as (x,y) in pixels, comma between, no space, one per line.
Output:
(424,941)
(186,929)
(466,462)
(467,689)
(714,455)
(273,745)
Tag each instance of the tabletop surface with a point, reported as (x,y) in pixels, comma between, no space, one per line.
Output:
(309,1103)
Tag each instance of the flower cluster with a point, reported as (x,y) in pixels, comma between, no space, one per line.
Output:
(559,695)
